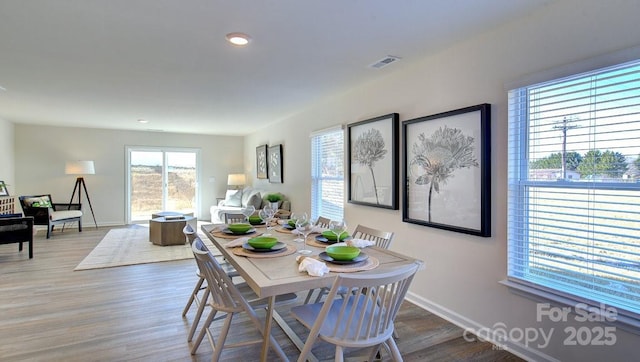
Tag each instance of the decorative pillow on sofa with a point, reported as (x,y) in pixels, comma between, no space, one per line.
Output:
(233,198)
(246,194)
(38,201)
(255,200)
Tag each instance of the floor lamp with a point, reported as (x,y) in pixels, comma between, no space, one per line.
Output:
(81,168)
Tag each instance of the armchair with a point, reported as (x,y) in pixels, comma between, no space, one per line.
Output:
(17,229)
(45,212)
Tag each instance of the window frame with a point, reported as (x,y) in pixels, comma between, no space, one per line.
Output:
(317,208)
(519,184)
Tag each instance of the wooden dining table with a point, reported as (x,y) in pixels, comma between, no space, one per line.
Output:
(278,274)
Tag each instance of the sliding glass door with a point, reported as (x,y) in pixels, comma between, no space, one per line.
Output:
(161,179)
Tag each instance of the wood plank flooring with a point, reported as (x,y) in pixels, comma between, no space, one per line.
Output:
(48,312)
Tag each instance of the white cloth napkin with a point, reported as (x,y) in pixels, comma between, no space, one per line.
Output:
(236,242)
(315,230)
(319,229)
(312,266)
(360,243)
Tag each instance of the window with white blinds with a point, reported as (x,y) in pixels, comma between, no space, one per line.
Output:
(574,187)
(327,174)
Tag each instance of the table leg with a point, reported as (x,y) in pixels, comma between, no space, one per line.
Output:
(292,335)
(267,329)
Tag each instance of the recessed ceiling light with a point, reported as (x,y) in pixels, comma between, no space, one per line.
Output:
(239,39)
(142,121)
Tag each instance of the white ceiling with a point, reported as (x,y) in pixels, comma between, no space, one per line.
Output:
(108,63)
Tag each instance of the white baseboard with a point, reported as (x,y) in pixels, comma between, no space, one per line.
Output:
(517,349)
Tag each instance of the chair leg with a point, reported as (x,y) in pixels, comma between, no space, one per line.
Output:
(321,292)
(193,296)
(31,248)
(196,319)
(217,348)
(339,354)
(79,225)
(308,298)
(202,333)
(49,230)
(393,349)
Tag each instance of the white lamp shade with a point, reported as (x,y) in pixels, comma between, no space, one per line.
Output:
(236,179)
(79,168)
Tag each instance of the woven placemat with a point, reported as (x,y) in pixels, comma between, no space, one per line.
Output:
(370,263)
(316,243)
(249,254)
(284,230)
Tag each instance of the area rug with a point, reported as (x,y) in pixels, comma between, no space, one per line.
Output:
(131,246)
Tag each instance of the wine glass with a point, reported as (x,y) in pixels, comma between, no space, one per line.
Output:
(267,214)
(338,227)
(295,216)
(248,211)
(305,225)
(264,216)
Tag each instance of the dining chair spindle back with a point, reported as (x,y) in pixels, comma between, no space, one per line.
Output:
(230,218)
(323,222)
(361,318)
(381,238)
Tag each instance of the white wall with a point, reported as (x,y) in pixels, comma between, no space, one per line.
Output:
(6,150)
(461,280)
(41,153)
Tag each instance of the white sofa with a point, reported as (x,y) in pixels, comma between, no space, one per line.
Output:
(236,200)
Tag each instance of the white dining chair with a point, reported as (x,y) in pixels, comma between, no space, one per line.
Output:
(363,317)
(200,286)
(381,239)
(323,222)
(230,218)
(223,296)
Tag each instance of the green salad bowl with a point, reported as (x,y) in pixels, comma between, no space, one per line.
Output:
(292,223)
(262,242)
(342,252)
(255,220)
(239,228)
(332,237)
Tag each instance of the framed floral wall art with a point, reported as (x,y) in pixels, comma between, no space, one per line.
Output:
(373,162)
(261,162)
(274,156)
(447,170)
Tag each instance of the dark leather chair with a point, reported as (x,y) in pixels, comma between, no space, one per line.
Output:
(46,212)
(17,229)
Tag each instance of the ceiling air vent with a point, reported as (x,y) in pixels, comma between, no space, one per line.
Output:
(384,62)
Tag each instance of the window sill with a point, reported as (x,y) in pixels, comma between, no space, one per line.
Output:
(624,321)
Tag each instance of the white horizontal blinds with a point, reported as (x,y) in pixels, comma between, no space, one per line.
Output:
(574,186)
(327,174)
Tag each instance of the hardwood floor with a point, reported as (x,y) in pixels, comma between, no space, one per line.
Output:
(133,313)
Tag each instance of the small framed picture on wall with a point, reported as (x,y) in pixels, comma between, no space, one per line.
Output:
(275,164)
(261,162)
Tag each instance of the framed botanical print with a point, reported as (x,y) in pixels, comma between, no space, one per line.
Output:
(447,170)
(261,162)
(373,162)
(274,156)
